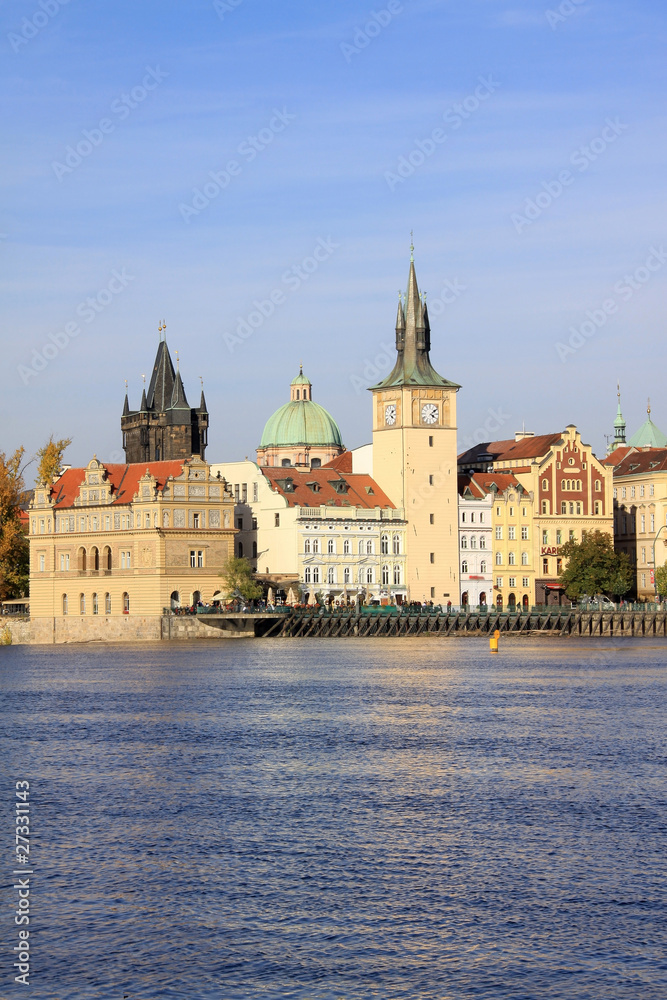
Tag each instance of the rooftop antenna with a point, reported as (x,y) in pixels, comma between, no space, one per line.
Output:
(412,248)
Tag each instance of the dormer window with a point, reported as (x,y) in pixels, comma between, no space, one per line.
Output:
(315,487)
(340,486)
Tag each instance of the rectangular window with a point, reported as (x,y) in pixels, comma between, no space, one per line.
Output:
(545,537)
(239,523)
(431,518)
(42,563)
(632,491)
(559,537)
(432,592)
(236,492)
(497,511)
(652,522)
(255,492)
(512,581)
(643,579)
(623,493)
(545,567)
(642,522)
(196,558)
(463,517)
(431,557)
(430,480)
(481,517)
(524,533)
(511,511)
(641,491)
(499,582)
(572,536)
(524,581)
(651,490)
(244,493)
(643,555)
(430,444)
(277,520)
(499,531)
(254,524)
(511,533)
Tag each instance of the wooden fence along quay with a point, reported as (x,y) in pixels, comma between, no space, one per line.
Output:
(323,624)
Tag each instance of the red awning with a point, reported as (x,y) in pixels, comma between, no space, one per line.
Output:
(552,586)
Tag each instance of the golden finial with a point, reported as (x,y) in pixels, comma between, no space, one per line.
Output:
(144,378)
(177,359)
(125,380)
(202,382)
(618,391)
(160,330)
(648,408)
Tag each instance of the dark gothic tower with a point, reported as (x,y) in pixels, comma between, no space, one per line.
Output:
(164,427)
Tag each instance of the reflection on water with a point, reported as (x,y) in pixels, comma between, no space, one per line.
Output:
(355,819)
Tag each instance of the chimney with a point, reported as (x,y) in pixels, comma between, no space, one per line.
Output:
(522,435)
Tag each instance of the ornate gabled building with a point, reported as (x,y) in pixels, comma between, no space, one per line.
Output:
(119,543)
(414,452)
(165,428)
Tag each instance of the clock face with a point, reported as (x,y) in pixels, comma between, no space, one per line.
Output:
(429,413)
(390,414)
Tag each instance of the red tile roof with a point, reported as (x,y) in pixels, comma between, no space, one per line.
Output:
(511,450)
(358,495)
(638,462)
(503,480)
(342,463)
(124,481)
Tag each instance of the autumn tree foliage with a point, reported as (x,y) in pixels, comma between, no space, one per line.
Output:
(50,459)
(14,548)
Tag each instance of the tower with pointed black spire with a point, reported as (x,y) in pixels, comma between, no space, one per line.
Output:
(414,452)
(165,427)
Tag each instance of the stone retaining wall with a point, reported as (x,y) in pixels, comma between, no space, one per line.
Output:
(120,628)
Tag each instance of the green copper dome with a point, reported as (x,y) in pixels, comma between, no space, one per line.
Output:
(648,436)
(301,422)
(300,379)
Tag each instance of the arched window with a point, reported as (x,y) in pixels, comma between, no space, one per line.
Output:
(316,545)
(482,541)
(482,566)
(107,604)
(571,508)
(306,546)
(95,558)
(96,608)
(473,541)
(464,566)
(563,507)
(524,558)
(499,558)
(82,604)
(396,545)
(106,558)
(165,519)
(598,485)
(511,559)
(286,462)
(316,574)
(369,547)
(346,547)
(175,600)
(64,604)
(298,394)
(545,506)
(369,575)
(331,575)
(361,546)
(126,604)
(385,576)
(384,545)
(397,576)
(331,546)
(563,484)
(545,484)
(464,542)
(307,575)
(82,560)
(316,462)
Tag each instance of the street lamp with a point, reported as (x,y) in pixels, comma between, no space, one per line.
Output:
(655,579)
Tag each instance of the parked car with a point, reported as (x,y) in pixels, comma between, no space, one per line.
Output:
(597,603)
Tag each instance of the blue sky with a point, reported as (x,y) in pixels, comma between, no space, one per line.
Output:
(316,105)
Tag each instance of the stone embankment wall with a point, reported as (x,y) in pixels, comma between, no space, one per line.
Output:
(121,628)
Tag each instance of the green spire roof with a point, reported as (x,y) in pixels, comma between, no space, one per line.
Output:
(301,379)
(413,343)
(648,435)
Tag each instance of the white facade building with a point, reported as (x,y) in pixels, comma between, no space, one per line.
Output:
(475,543)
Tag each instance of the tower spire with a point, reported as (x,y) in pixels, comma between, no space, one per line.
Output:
(619,424)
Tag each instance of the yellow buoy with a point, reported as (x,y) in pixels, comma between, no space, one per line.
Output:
(493,641)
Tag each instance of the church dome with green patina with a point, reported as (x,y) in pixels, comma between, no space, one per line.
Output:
(301,432)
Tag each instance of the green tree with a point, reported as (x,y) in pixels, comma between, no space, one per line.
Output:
(239,580)
(50,459)
(593,567)
(661,579)
(14,546)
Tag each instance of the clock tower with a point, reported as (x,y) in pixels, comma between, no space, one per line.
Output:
(414,453)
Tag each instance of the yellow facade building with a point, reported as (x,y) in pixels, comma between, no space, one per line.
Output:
(414,453)
(110,542)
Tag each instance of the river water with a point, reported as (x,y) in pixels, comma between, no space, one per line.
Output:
(340,820)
